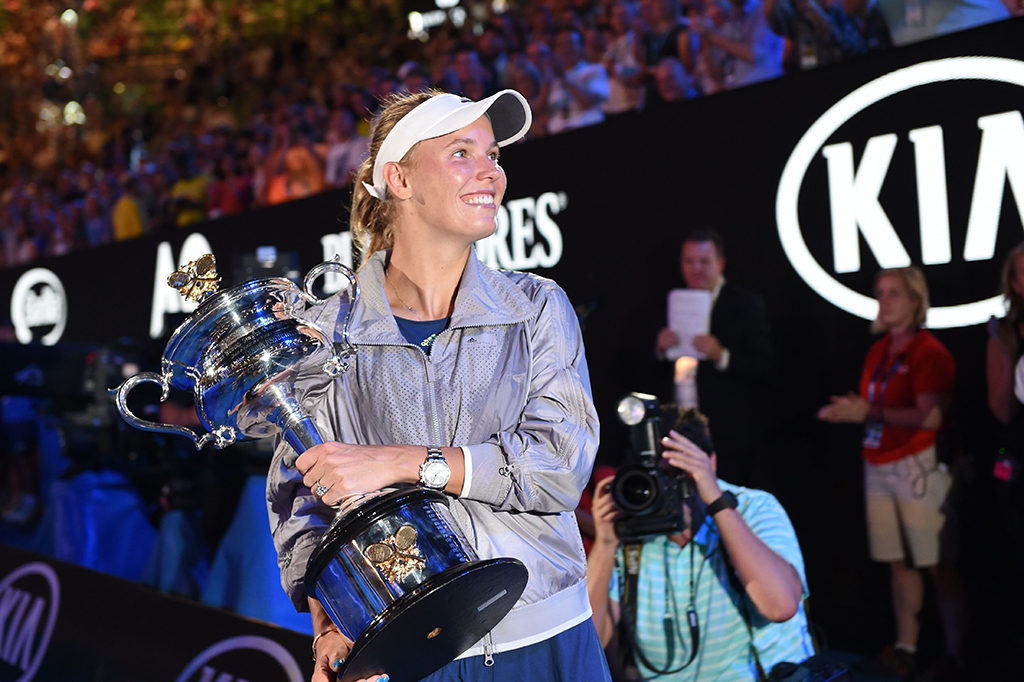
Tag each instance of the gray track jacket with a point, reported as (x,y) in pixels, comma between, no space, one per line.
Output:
(508,382)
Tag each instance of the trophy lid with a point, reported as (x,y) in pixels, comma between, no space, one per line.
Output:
(198,280)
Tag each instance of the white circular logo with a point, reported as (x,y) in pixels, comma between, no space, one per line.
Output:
(39,300)
(267,646)
(33,617)
(786,211)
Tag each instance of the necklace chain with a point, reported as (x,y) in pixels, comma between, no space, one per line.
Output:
(410,308)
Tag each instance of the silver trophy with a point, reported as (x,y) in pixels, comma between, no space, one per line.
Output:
(241,352)
(393,570)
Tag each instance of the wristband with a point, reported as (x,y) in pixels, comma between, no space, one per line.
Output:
(726,501)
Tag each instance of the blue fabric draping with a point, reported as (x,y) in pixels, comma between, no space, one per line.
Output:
(99,521)
(244,576)
(179,562)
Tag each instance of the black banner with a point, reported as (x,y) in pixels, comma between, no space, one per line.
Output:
(60,622)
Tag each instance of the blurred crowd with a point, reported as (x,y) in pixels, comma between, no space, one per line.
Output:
(118,120)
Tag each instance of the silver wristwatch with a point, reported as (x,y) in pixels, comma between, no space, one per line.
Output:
(434,472)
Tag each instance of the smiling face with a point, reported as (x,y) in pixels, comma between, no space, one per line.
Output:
(454,184)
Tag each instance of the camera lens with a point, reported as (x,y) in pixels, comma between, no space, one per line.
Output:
(635,490)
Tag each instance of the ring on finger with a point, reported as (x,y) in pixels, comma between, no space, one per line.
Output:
(320,490)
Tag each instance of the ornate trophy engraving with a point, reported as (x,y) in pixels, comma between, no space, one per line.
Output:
(393,570)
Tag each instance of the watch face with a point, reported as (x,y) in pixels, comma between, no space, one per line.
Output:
(435,474)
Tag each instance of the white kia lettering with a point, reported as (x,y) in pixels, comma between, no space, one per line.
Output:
(854,200)
(166,299)
(932,201)
(854,197)
(1001,158)
(38,300)
(27,619)
(18,630)
(853,192)
(514,244)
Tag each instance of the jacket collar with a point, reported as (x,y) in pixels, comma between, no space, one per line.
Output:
(485,298)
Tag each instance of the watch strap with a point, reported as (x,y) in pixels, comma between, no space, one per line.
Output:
(726,501)
(433,455)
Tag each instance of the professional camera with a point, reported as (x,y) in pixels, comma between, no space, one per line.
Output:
(649,493)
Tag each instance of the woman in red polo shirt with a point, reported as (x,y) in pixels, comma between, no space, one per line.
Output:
(905,390)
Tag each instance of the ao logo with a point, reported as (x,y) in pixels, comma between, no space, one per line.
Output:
(39,301)
(203,667)
(853,193)
(27,618)
(166,299)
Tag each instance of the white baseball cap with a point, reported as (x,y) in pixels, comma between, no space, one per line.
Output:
(508,111)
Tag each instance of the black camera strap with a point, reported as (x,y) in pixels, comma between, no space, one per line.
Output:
(628,603)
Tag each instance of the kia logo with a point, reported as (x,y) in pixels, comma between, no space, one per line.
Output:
(39,301)
(234,659)
(29,601)
(853,191)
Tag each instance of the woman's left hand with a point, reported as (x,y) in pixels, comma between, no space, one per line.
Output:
(849,409)
(344,469)
(330,651)
(683,454)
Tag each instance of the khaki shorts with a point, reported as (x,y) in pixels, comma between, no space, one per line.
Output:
(904,508)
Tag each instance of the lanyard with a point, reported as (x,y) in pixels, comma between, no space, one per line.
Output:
(885,380)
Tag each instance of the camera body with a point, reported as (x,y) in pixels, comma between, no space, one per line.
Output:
(650,495)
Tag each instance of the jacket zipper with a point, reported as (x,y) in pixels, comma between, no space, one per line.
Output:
(488,651)
(429,367)
(432,390)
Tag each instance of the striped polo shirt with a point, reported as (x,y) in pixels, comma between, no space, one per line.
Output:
(724,654)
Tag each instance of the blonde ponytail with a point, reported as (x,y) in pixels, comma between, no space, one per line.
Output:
(372,220)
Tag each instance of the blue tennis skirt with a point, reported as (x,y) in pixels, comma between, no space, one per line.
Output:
(571,656)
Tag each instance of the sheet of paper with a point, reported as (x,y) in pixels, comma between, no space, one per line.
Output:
(689,315)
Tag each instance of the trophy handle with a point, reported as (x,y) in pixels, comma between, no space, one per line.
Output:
(221,438)
(335,265)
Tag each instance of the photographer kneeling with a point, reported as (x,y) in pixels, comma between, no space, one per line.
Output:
(714,608)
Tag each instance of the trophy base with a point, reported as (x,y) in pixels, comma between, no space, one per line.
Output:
(431,625)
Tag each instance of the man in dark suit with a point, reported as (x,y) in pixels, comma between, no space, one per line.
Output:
(740,358)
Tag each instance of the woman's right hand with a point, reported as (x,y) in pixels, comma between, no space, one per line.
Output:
(343,468)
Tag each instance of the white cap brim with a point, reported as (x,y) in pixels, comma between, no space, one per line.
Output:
(508,111)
